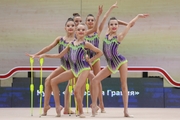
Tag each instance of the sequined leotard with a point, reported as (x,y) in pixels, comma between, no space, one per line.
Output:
(113,58)
(95,41)
(64,60)
(76,57)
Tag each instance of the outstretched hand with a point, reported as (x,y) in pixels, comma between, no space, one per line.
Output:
(143,15)
(30,55)
(40,56)
(35,56)
(114,5)
(100,10)
(139,16)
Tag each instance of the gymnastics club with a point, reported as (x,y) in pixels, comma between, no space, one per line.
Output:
(75,97)
(87,84)
(87,89)
(70,92)
(31,85)
(41,61)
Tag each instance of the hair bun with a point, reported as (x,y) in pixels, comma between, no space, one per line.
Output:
(90,15)
(76,14)
(113,18)
(70,19)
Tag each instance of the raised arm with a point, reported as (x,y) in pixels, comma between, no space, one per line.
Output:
(120,22)
(98,52)
(94,29)
(105,17)
(131,23)
(60,55)
(47,48)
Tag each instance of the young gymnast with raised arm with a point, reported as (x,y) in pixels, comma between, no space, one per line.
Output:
(80,68)
(115,61)
(94,39)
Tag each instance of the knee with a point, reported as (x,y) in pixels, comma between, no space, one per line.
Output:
(67,90)
(95,81)
(53,82)
(91,76)
(76,91)
(124,86)
(47,82)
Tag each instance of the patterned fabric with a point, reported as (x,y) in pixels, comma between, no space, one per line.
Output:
(77,60)
(64,60)
(95,41)
(113,58)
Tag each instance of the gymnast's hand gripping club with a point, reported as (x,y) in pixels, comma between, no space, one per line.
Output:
(41,61)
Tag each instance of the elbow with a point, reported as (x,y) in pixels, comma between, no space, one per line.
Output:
(100,53)
(131,24)
(94,29)
(47,48)
(59,56)
(105,17)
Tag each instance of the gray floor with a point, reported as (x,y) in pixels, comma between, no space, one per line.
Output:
(114,113)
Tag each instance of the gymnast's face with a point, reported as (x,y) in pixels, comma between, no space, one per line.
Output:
(90,21)
(113,26)
(70,27)
(80,31)
(77,20)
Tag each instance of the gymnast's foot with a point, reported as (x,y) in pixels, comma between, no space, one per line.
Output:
(46,108)
(102,108)
(94,110)
(58,111)
(103,111)
(127,115)
(97,108)
(82,115)
(68,112)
